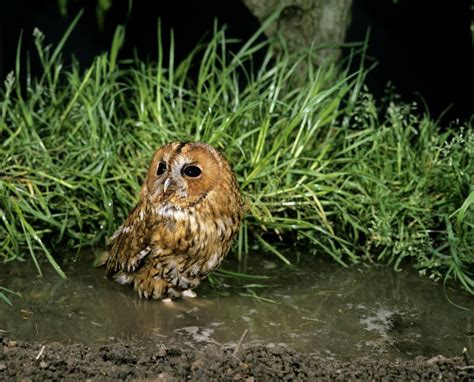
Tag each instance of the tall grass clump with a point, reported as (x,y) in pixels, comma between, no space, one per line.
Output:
(325,171)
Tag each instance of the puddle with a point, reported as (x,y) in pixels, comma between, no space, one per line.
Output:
(320,308)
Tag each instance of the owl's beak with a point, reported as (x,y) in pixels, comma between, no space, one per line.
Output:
(166,184)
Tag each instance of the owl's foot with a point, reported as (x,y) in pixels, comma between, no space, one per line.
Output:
(149,287)
(189,293)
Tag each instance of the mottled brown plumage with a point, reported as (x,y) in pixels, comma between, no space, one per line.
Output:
(189,211)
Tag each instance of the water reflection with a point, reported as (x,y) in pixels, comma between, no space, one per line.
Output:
(320,308)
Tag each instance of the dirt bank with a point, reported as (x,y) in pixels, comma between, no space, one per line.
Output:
(54,361)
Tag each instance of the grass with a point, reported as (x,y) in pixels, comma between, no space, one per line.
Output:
(326,171)
(3,295)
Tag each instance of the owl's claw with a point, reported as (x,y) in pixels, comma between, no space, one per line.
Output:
(189,293)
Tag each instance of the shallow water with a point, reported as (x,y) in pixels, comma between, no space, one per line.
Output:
(320,308)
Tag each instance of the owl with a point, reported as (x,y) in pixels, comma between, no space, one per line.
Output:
(181,229)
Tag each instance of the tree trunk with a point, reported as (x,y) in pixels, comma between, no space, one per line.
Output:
(307,23)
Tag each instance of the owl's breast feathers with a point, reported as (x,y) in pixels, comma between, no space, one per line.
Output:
(172,244)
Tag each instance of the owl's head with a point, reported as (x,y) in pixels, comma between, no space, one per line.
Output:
(185,173)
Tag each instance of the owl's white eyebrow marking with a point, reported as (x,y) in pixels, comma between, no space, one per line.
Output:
(183,160)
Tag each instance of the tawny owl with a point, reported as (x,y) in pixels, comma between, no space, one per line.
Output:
(189,211)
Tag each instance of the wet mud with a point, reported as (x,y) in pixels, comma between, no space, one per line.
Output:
(130,362)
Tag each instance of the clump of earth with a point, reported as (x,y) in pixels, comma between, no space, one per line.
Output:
(32,361)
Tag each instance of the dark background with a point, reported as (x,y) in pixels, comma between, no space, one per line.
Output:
(424,48)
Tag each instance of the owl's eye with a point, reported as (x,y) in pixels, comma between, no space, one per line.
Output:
(161,168)
(192,171)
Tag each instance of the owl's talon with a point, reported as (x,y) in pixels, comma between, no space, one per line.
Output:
(189,293)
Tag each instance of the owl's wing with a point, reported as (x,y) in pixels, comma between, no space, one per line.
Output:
(130,243)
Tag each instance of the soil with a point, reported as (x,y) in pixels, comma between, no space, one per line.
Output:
(25,361)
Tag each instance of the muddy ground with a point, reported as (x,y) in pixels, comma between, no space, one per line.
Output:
(54,361)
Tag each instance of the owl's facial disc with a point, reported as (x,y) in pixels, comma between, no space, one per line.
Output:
(182,173)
